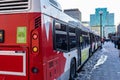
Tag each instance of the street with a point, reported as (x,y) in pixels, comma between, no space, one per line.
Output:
(103,65)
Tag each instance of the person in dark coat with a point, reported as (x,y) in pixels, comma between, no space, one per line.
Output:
(118,43)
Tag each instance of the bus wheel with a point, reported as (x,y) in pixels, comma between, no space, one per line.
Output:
(72,69)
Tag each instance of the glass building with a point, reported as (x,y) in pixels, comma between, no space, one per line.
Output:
(107,21)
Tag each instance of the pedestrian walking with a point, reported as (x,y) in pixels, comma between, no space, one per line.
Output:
(118,43)
(102,40)
(115,42)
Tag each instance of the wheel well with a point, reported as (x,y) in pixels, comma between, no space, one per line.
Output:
(74,60)
(72,68)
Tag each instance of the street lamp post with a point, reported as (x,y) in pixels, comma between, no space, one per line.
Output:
(100,12)
(101,23)
(103,31)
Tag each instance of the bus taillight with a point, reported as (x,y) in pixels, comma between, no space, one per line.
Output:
(35,42)
(35,36)
(1,36)
(35,49)
(35,70)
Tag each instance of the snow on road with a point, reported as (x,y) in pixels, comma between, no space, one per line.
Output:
(101,61)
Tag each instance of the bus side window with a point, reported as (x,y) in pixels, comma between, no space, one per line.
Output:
(60,41)
(72,42)
(81,42)
(72,38)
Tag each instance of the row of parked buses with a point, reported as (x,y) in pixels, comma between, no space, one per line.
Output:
(40,42)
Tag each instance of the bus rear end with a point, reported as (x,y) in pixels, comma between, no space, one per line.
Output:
(16,29)
(13,47)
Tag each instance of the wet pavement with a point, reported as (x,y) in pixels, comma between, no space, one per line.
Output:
(103,65)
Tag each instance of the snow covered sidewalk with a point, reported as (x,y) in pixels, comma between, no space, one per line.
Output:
(103,65)
(110,67)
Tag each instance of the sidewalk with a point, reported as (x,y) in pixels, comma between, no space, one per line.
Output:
(103,65)
(110,68)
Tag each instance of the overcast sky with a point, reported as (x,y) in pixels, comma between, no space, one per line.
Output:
(87,7)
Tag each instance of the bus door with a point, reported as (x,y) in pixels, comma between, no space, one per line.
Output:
(84,47)
(78,46)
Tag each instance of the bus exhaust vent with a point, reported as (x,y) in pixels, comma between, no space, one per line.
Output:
(13,5)
(37,22)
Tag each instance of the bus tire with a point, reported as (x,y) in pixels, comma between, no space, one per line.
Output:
(72,69)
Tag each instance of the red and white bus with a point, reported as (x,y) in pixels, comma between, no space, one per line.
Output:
(39,42)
